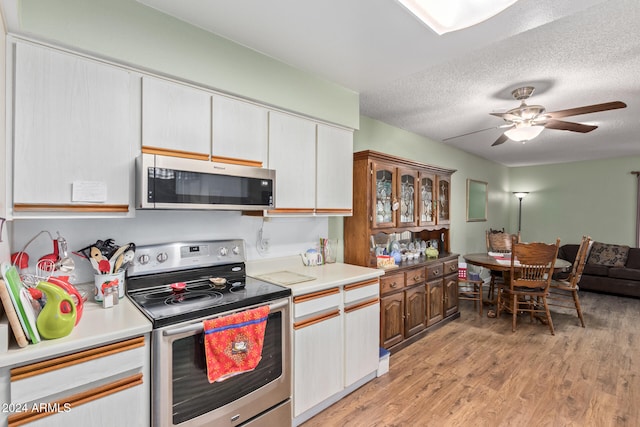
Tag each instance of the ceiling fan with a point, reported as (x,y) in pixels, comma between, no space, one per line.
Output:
(526,122)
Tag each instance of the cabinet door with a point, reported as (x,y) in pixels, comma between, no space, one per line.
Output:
(334,168)
(240,132)
(391,319)
(361,340)
(426,199)
(292,153)
(318,362)
(73,123)
(384,202)
(176,117)
(416,310)
(444,199)
(434,302)
(407,197)
(450,294)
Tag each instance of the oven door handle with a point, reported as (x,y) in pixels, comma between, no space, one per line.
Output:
(199,327)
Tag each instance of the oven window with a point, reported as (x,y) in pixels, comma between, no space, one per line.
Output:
(174,186)
(193,395)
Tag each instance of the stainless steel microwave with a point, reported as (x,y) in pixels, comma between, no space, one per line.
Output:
(165,182)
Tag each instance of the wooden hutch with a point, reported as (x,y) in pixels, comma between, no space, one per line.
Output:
(397,196)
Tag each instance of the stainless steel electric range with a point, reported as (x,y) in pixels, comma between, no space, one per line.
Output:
(178,286)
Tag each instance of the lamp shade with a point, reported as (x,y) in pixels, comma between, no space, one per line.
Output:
(523,133)
(520,194)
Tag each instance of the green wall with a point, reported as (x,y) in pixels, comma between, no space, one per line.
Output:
(127,31)
(598,198)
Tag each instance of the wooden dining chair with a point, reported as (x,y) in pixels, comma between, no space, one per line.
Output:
(500,242)
(529,281)
(470,289)
(564,293)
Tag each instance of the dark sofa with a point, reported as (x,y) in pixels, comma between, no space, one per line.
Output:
(612,269)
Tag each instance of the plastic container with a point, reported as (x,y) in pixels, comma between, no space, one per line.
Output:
(383,364)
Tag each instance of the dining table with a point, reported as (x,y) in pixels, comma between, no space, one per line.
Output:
(502,262)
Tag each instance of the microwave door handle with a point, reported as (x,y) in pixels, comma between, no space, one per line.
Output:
(198,327)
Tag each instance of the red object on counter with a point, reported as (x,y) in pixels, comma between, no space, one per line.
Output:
(178,286)
(20,259)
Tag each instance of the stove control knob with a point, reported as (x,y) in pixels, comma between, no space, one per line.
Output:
(224,251)
(162,257)
(143,259)
(235,250)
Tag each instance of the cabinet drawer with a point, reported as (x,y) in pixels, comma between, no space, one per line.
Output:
(361,290)
(316,302)
(451,267)
(415,276)
(38,381)
(391,283)
(434,270)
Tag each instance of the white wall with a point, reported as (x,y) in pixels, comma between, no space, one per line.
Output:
(287,236)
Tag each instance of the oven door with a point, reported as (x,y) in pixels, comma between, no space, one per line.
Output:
(182,394)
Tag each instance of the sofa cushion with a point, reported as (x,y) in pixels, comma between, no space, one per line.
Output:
(633,260)
(608,255)
(568,252)
(624,273)
(596,270)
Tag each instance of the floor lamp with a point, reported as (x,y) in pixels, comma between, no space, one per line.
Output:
(520,195)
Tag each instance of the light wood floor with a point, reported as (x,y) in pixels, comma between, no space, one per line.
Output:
(476,372)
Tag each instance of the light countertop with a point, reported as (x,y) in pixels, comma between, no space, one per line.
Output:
(98,326)
(324,276)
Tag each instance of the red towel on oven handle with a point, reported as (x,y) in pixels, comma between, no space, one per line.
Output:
(233,343)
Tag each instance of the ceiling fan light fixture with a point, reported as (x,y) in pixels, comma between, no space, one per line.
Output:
(452,15)
(524,133)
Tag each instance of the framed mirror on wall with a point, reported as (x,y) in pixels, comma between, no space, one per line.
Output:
(477,199)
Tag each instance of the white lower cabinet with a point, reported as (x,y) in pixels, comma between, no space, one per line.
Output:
(104,386)
(335,333)
(362,330)
(318,353)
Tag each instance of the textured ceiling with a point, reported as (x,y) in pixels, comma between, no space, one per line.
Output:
(575,52)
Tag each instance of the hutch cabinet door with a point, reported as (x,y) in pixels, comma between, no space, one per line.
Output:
(434,302)
(427,199)
(415,309)
(450,294)
(384,199)
(408,194)
(175,117)
(391,319)
(334,148)
(73,122)
(444,199)
(292,148)
(240,132)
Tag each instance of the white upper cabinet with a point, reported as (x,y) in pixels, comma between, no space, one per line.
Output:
(176,117)
(74,134)
(240,131)
(292,142)
(334,150)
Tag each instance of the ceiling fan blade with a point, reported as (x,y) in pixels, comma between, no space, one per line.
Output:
(468,133)
(501,140)
(573,127)
(586,109)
